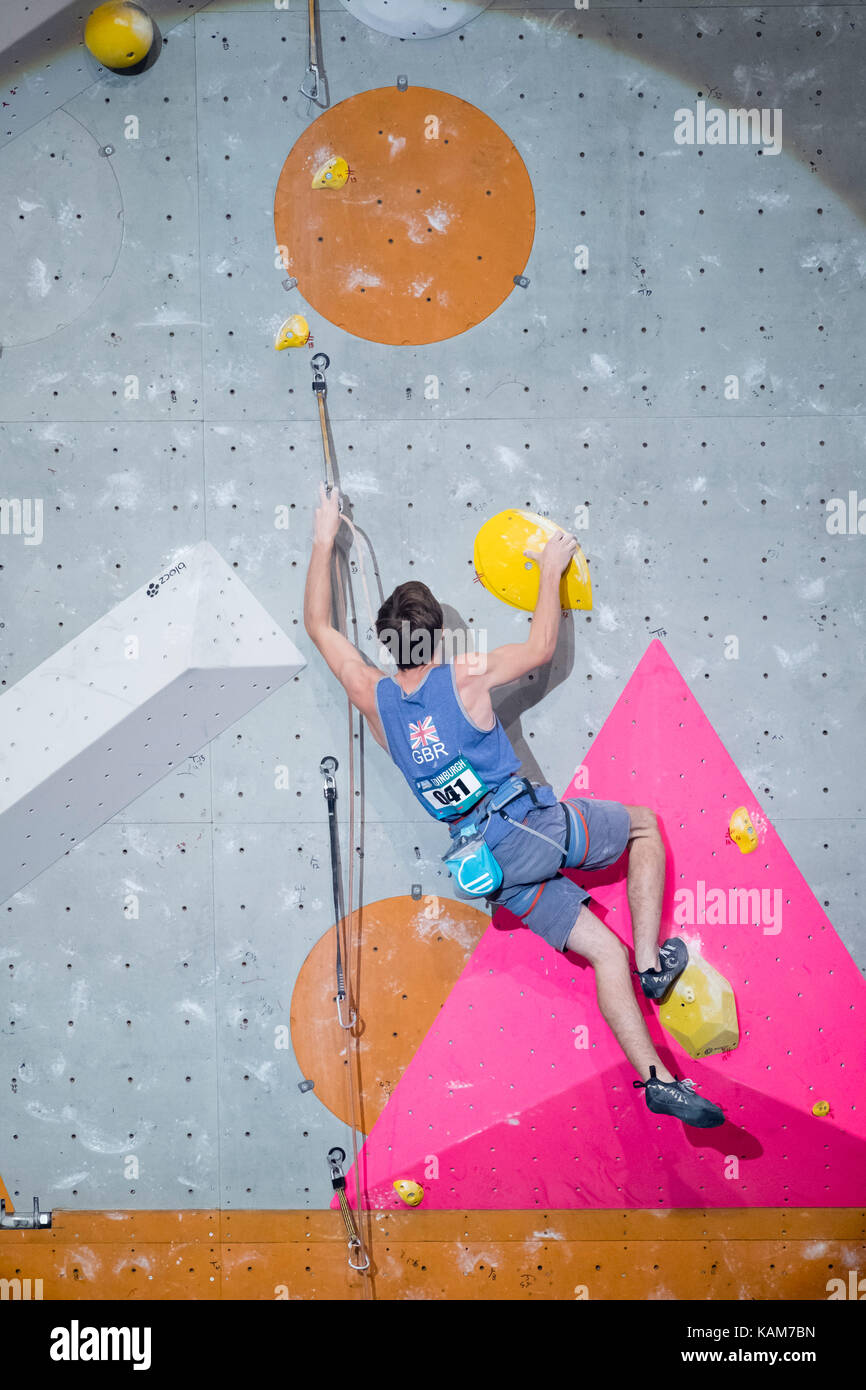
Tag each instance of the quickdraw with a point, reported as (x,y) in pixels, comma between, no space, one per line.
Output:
(328,766)
(336,1159)
(314,87)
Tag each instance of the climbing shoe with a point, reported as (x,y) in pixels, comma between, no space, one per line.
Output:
(674,957)
(678,1098)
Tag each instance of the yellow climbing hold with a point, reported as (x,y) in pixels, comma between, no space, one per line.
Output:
(700,1011)
(742,832)
(119,34)
(821,1107)
(506,572)
(412,1193)
(295,332)
(333,174)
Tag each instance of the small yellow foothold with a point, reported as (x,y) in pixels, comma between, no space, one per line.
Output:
(412,1193)
(295,332)
(742,832)
(333,174)
(821,1107)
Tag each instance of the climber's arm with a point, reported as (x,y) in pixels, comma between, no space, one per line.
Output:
(357,677)
(515,659)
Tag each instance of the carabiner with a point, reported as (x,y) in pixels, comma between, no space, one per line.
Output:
(336,1163)
(350,1025)
(320,364)
(313,94)
(317,87)
(356,1245)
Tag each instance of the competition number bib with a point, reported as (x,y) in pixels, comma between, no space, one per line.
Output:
(452,791)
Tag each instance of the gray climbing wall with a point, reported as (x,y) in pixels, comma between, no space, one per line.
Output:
(696,378)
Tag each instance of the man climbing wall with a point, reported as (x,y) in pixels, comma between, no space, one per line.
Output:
(510,838)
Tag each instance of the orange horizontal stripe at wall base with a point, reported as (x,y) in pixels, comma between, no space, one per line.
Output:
(767,1254)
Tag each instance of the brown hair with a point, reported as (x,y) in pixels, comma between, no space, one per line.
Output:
(409,624)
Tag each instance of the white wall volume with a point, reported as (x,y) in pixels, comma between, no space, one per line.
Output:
(415,19)
(123,703)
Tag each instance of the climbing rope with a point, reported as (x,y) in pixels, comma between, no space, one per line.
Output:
(320,364)
(345,919)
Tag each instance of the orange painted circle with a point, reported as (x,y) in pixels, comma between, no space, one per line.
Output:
(425,239)
(406,958)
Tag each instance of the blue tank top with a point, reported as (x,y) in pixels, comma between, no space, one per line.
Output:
(449,762)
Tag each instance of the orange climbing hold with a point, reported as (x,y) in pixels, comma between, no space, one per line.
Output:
(435,218)
(4,1193)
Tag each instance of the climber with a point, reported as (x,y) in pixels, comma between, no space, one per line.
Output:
(436,721)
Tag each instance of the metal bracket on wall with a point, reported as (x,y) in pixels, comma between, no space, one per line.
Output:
(19,1221)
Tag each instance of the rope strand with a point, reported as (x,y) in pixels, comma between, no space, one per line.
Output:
(348,922)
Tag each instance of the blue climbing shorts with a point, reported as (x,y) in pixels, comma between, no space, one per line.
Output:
(532,886)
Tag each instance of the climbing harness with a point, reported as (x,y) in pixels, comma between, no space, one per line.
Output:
(314,87)
(470,860)
(336,1159)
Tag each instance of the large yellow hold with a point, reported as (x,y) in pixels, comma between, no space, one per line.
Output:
(700,1010)
(504,569)
(119,34)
